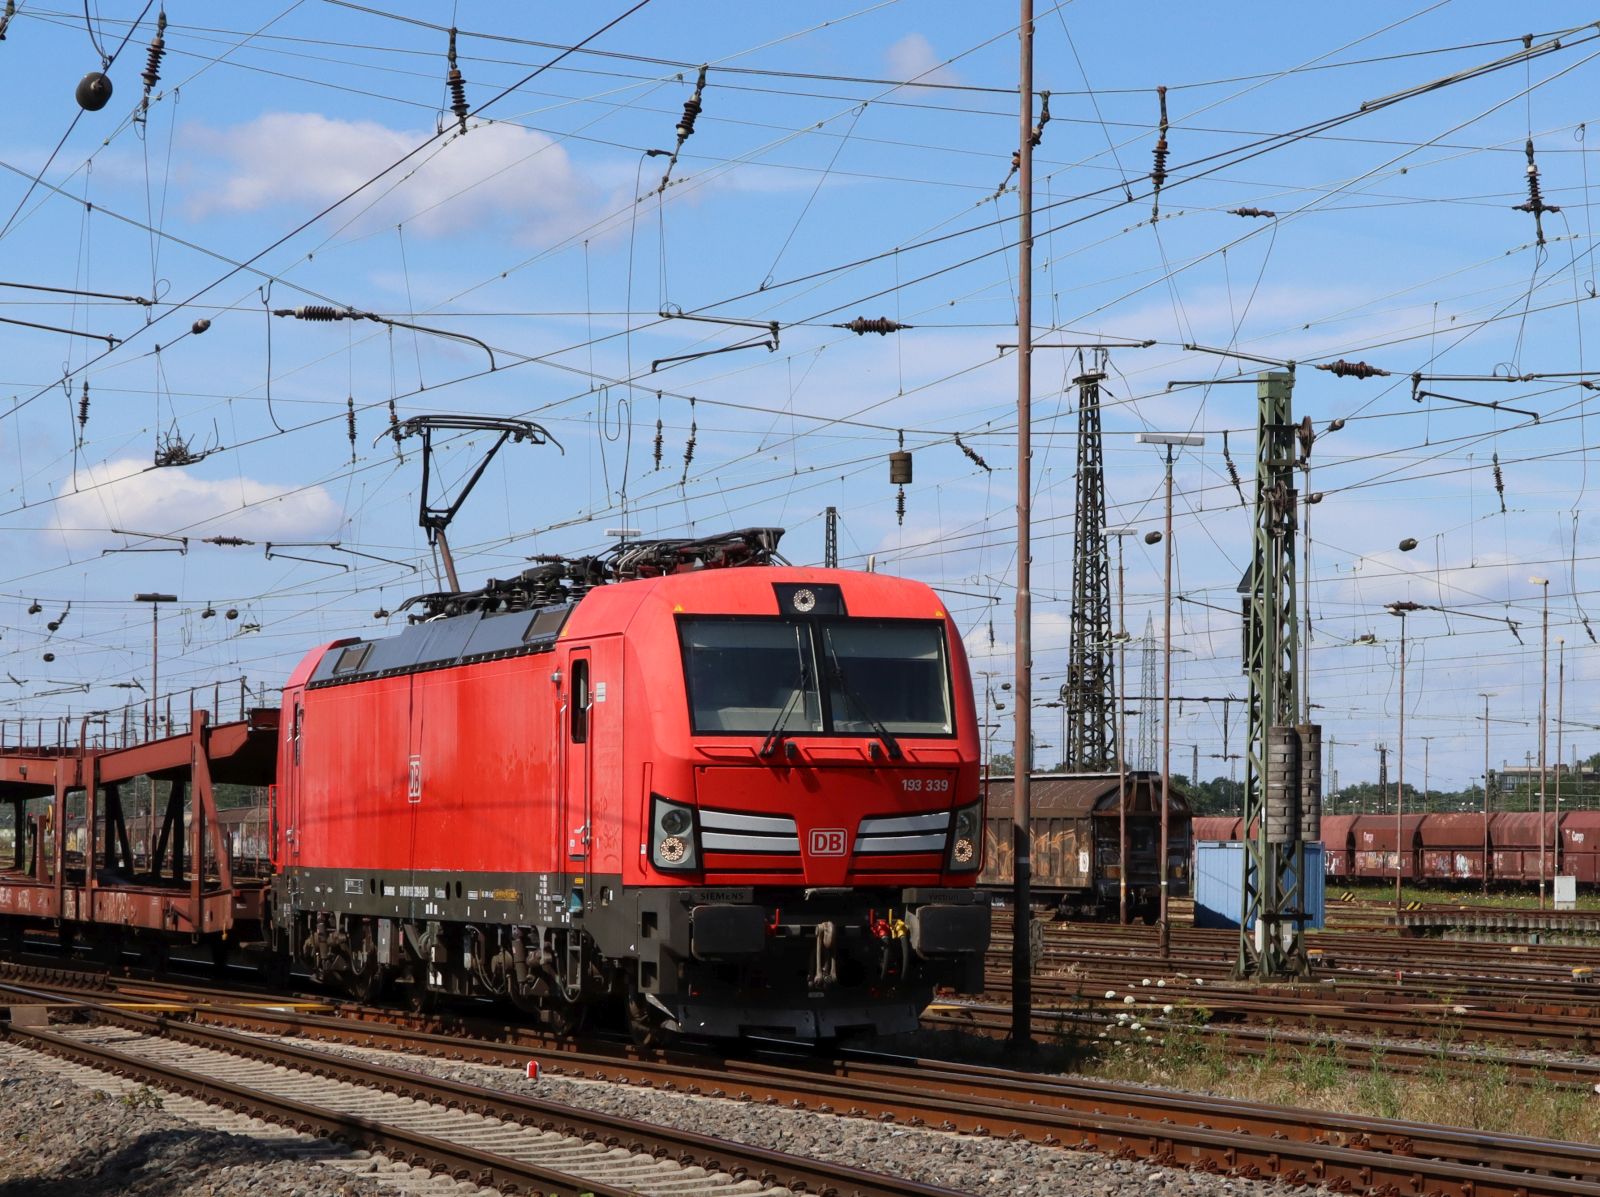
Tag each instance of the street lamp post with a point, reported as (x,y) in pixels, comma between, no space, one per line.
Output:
(155,601)
(1544,714)
(1120,728)
(1171,442)
(1427,746)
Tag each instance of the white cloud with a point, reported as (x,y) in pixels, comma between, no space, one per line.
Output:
(496,178)
(913,57)
(126,493)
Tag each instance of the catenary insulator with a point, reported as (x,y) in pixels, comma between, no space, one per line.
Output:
(231,613)
(5,18)
(83,405)
(659,440)
(900,506)
(882,325)
(394,422)
(457,85)
(1535,203)
(317,311)
(199,326)
(1344,369)
(228,540)
(158,50)
(972,455)
(350,418)
(1158,172)
(1499,482)
(1408,544)
(688,448)
(49,657)
(1259,213)
(1233,470)
(692,108)
(381,613)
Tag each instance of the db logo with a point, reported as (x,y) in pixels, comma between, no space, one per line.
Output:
(829,841)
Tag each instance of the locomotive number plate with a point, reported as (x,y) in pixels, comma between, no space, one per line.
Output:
(925,785)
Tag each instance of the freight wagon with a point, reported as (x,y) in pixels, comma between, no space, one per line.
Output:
(1076,839)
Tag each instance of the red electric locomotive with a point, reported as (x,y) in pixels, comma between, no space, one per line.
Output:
(732,800)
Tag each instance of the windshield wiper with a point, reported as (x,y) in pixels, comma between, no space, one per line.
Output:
(889,742)
(775,736)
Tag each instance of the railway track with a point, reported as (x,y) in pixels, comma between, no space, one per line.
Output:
(497,1140)
(1205,1133)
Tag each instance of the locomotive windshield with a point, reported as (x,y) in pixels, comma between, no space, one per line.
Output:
(847,676)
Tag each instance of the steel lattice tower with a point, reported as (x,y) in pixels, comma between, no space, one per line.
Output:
(1149,698)
(1089,693)
(1271,940)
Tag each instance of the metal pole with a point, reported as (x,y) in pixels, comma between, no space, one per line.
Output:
(1400,768)
(1544,714)
(1166,720)
(1022,790)
(1561,714)
(1122,736)
(1485,698)
(155,665)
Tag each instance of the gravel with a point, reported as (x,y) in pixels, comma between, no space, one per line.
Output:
(61,1138)
(964,1163)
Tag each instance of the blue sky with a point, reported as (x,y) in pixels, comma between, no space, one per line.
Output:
(849,161)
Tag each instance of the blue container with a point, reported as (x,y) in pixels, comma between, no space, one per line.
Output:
(1217,866)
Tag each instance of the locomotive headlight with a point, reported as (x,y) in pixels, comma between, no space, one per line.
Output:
(963,855)
(674,839)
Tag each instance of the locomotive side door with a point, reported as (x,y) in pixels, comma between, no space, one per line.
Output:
(578,775)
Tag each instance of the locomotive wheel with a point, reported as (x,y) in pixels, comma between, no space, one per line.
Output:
(420,999)
(366,979)
(646,1024)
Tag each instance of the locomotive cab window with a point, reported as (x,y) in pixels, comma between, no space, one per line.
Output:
(839,676)
(751,675)
(890,672)
(580,701)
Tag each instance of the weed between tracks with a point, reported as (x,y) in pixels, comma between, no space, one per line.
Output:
(1318,1076)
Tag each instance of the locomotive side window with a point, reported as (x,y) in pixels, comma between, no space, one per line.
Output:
(889,671)
(752,676)
(580,701)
